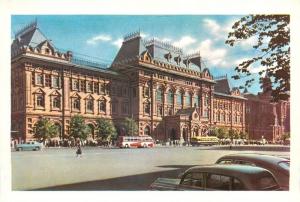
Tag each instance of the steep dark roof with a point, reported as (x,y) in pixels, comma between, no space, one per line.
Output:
(222,86)
(133,46)
(32,36)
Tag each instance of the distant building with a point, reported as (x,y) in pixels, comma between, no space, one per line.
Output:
(265,119)
(168,93)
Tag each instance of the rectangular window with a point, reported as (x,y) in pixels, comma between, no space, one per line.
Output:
(55,81)
(75,85)
(89,86)
(125,92)
(96,88)
(82,86)
(119,91)
(39,79)
(114,107)
(125,108)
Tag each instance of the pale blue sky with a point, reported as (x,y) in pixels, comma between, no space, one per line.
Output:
(101,36)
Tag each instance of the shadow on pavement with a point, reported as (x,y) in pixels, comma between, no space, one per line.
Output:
(139,182)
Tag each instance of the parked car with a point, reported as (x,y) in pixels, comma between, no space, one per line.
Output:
(220,177)
(278,166)
(31,145)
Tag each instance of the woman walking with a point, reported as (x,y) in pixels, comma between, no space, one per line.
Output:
(78,151)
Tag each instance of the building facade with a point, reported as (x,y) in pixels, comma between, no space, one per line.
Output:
(168,93)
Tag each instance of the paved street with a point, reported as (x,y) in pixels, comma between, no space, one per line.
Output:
(107,169)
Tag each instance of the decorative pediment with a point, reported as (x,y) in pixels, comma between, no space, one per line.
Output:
(75,95)
(39,91)
(235,91)
(102,99)
(55,93)
(206,73)
(146,56)
(46,47)
(89,97)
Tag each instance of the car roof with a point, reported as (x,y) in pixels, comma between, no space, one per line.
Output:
(234,170)
(255,157)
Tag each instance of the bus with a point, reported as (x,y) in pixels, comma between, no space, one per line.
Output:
(204,140)
(135,141)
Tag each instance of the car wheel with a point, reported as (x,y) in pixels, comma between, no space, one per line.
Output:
(36,149)
(19,149)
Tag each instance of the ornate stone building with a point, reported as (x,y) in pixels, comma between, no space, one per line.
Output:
(168,93)
(265,119)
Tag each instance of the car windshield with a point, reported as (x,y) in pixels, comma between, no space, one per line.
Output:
(285,165)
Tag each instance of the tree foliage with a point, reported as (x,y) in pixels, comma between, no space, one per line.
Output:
(272,34)
(45,129)
(130,126)
(222,133)
(78,129)
(105,129)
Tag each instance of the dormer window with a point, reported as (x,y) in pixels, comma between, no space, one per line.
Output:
(168,56)
(177,60)
(186,62)
(47,51)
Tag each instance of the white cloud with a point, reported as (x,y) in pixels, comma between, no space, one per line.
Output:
(99,38)
(212,25)
(214,56)
(184,42)
(118,42)
(220,31)
(248,43)
(257,69)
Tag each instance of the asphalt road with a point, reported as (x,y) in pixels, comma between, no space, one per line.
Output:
(108,169)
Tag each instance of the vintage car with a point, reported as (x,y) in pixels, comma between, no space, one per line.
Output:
(223,177)
(278,166)
(30,145)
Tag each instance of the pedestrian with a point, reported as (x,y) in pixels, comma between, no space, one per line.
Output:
(78,151)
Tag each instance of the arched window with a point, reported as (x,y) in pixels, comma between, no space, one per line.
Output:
(187,99)
(56,102)
(90,105)
(76,104)
(159,95)
(102,106)
(40,101)
(147,108)
(196,101)
(147,130)
(179,98)
(170,97)
(146,91)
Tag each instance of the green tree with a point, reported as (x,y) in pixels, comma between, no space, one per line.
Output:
(243,135)
(105,129)
(222,133)
(272,35)
(232,134)
(78,129)
(45,129)
(130,126)
(214,131)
